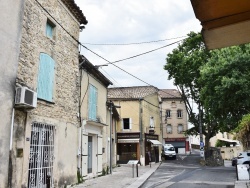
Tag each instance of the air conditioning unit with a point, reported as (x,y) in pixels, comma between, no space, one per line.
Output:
(25,98)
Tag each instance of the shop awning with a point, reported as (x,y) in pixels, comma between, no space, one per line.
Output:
(155,142)
(135,140)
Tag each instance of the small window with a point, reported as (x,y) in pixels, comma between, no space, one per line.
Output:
(126,123)
(168,113)
(179,113)
(169,129)
(151,122)
(50,27)
(180,128)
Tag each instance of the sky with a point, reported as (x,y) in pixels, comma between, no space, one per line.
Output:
(135,21)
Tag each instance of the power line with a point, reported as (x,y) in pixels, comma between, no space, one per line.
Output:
(143,53)
(101,56)
(132,43)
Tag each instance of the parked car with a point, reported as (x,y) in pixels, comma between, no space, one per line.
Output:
(169,151)
(243,158)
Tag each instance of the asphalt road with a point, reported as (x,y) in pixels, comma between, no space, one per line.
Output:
(186,172)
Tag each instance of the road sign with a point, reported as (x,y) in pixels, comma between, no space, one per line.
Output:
(202,153)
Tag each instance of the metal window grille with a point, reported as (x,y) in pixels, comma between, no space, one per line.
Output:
(41,157)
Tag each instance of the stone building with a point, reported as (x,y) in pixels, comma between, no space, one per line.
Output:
(94,125)
(138,132)
(45,123)
(174,120)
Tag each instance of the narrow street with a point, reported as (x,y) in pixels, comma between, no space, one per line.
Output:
(186,172)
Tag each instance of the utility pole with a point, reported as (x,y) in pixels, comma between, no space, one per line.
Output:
(140,123)
(161,122)
(201,135)
(110,141)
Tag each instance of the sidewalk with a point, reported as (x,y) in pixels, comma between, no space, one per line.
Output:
(122,177)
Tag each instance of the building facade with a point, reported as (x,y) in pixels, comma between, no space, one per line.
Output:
(95,138)
(138,132)
(45,123)
(174,120)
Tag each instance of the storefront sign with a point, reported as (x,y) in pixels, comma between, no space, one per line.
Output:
(151,131)
(128,135)
(175,139)
(151,137)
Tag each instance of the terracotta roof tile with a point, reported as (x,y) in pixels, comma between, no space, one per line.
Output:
(131,92)
(169,93)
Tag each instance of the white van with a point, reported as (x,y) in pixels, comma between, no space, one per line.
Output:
(169,151)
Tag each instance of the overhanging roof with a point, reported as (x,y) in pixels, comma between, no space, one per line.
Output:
(228,140)
(224,22)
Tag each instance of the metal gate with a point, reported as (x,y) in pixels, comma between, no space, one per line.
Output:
(41,156)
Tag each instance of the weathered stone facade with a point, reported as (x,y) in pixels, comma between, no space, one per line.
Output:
(62,112)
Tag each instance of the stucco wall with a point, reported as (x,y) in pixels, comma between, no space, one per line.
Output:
(11,13)
(174,121)
(62,112)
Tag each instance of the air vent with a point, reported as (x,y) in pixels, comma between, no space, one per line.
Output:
(25,98)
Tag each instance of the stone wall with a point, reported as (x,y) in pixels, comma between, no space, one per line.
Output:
(62,111)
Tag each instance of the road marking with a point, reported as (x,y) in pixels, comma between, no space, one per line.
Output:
(183,157)
(207,182)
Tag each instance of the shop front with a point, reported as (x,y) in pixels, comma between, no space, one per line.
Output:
(128,147)
(152,147)
(180,144)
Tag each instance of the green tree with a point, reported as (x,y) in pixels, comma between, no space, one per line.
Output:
(243,131)
(217,80)
(225,83)
(183,66)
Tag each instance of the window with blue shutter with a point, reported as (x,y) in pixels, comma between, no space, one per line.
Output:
(92,102)
(45,84)
(49,29)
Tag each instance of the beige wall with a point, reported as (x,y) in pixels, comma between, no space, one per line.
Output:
(102,130)
(228,153)
(101,100)
(173,120)
(151,110)
(129,109)
(62,113)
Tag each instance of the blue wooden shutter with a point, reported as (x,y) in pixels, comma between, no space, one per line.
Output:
(49,30)
(45,77)
(92,102)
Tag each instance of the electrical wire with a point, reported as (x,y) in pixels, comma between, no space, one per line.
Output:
(143,53)
(132,43)
(101,56)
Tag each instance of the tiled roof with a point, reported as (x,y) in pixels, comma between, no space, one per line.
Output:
(169,93)
(76,11)
(131,92)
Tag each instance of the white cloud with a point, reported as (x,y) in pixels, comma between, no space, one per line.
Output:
(127,21)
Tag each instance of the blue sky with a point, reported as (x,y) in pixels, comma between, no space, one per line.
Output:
(130,21)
